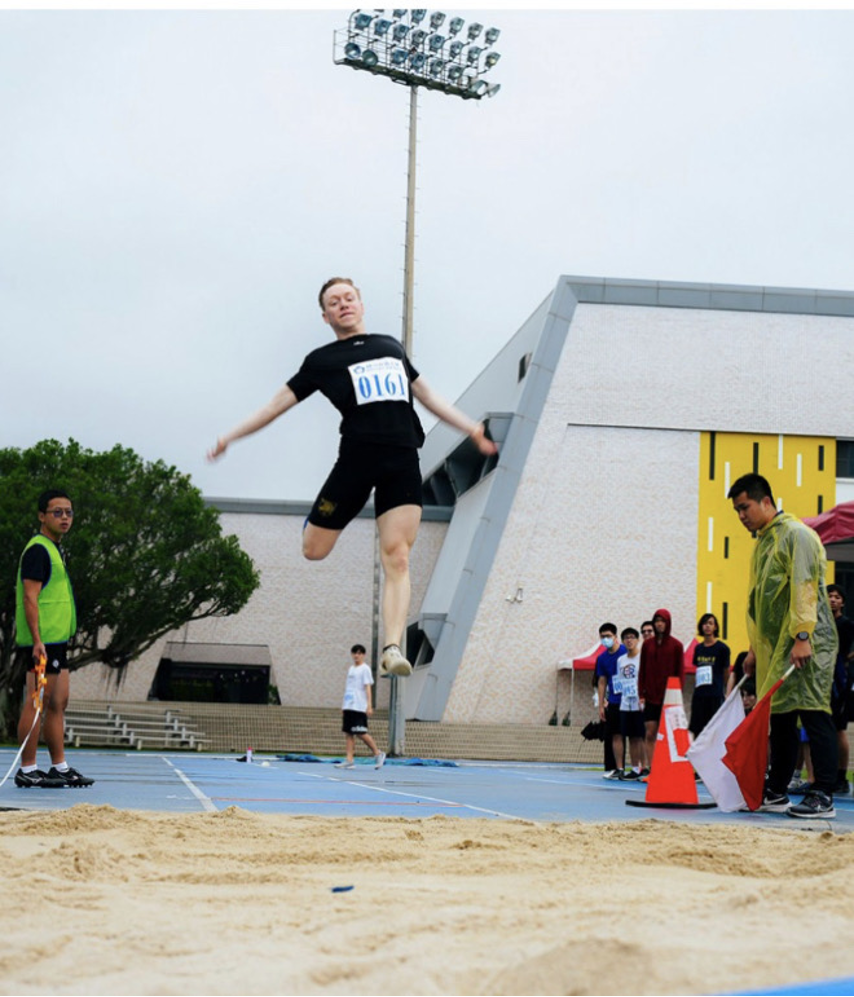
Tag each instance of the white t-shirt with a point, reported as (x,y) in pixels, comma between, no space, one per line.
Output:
(627,673)
(358,679)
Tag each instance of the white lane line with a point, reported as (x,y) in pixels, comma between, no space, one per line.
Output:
(199,795)
(416,796)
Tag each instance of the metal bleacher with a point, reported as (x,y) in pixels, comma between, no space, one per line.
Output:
(134,725)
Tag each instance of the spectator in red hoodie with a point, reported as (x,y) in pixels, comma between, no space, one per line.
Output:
(661,659)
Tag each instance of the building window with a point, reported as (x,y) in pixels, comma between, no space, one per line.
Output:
(845,458)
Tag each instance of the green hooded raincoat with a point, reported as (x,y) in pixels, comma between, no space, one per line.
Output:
(788,595)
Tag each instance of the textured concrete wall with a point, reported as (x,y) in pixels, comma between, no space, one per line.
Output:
(309,613)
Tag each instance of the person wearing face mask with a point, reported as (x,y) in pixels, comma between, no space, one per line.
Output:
(609,700)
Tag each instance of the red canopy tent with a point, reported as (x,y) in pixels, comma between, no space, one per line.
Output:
(836,530)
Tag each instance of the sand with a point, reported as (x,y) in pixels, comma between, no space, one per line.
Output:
(103,901)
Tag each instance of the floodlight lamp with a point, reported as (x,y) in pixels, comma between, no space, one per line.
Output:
(491,59)
(474,54)
(399,56)
(417,37)
(417,61)
(370,58)
(454,73)
(352,51)
(436,42)
(474,30)
(436,20)
(362,21)
(381,27)
(493,89)
(455,49)
(491,36)
(455,25)
(478,87)
(400,32)
(436,67)
(417,16)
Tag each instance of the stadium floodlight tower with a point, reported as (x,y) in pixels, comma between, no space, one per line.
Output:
(419,48)
(416,48)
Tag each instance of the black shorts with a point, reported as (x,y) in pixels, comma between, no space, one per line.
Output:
(392,471)
(354,722)
(631,723)
(57,658)
(703,708)
(652,711)
(612,719)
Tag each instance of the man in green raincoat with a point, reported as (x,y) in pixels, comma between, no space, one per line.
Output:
(789,622)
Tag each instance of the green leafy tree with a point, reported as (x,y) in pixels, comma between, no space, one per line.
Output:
(145,554)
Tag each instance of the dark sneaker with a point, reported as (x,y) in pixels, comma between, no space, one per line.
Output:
(393,662)
(775,803)
(70,777)
(631,774)
(841,788)
(814,804)
(27,780)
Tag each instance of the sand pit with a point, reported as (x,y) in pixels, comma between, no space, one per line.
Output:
(105,901)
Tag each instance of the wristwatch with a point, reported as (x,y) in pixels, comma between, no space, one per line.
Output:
(803,635)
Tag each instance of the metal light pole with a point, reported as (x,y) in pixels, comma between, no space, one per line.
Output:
(416,49)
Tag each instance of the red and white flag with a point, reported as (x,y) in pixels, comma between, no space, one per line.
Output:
(707,753)
(747,749)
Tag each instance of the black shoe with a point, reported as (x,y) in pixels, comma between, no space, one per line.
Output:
(841,788)
(27,780)
(775,803)
(631,774)
(814,804)
(70,777)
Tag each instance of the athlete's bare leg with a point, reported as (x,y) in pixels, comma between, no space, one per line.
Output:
(398,529)
(317,541)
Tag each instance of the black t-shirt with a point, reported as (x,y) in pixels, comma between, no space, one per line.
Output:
(369,380)
(714,661)
(35,564)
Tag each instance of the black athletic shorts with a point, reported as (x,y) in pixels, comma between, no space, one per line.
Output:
(361,467)
(354,722)
(652,711)
(631,723)
(57,658)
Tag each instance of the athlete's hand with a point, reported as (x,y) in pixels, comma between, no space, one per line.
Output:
(216,452)
(39,652)
(486,446)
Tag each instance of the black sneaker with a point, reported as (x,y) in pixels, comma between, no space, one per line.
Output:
(775,803)
(70,777)
(841,788)
(814,804)
(27,780)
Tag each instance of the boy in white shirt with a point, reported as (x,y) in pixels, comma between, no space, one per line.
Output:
(631,708)
(357,708)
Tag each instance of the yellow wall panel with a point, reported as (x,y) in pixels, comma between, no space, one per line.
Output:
(802,473)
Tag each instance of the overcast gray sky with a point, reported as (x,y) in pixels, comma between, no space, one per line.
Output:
(174,187)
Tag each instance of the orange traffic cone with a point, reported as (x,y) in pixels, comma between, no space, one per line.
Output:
(671,779)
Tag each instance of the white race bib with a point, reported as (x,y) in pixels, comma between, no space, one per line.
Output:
(704,675)
(382,380)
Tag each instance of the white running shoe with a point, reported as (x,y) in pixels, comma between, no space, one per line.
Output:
(393,662)
(379,761)
(345,765)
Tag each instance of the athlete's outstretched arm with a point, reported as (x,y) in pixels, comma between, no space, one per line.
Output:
(450,414)
(278,405)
